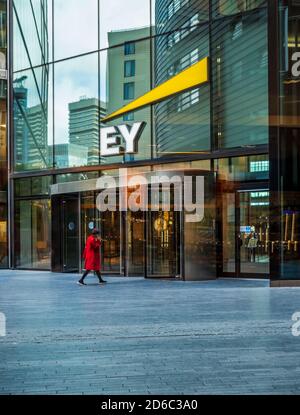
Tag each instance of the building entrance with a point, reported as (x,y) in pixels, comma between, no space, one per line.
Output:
(156,242)
(109,224)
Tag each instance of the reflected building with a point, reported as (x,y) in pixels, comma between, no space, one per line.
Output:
(69,155)
(37,145)
(30,130)
(20,130)
(84,116)
(128,77)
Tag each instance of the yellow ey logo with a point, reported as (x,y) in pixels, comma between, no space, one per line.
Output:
(196,75)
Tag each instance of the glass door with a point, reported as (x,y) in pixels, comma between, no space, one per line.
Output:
(109,224)
(229,232)
(112,242)
(70,233)
(135,243)
(163,244)
(90,218)
(253,232)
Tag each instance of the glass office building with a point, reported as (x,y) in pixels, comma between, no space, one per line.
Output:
(73,63)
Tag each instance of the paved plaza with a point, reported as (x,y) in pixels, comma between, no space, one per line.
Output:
(137,336)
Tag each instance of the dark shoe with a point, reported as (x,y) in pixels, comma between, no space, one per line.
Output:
(102,281)
(80,283)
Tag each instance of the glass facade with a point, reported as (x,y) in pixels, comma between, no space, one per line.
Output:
(75,63)
(3,138)
(64,82)
(284,144)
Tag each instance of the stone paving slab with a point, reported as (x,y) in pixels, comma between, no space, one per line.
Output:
(137,336)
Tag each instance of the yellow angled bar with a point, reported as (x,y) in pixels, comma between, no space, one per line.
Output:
(191,77)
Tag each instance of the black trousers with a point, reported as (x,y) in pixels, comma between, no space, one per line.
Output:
(86,273)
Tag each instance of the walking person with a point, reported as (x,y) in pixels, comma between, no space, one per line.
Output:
(91,254)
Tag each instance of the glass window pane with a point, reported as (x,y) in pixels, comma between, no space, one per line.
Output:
(77,112)
(182,123)
(240,73)
(32,37)
(129,48)
(178,14)
(74,177)
(129,90)
(250,168)
(32,236)
(117,92)
(41,185)
(129,68)
(75,27)
(32,111)
(32,186)
(122,21)
(22,187)
(231,7)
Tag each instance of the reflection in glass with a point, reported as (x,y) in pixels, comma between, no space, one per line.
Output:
(75,27)
(32,37)
(240,76)
(200,236)
(111,245)
(77,111)
(3,137)
(135,243)
(163,244)
(36,186)
(32,112)
(178,14)
(254,231)
(228,232)
(243,168)
(117,91)
(231,7)
(182,123)
(285,196)
(131,16)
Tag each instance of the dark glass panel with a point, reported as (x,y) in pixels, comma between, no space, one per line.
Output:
(240,73)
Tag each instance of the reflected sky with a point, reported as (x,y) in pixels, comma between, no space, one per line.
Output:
(78,77)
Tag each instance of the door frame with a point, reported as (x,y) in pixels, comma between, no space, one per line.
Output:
(239,187)
(75,197)
(178,235)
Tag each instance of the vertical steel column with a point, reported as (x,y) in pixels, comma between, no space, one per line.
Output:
(274,111)
(9,138)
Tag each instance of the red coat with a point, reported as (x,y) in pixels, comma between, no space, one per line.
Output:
(91,254)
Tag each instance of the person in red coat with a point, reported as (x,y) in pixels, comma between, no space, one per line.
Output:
(91,254)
